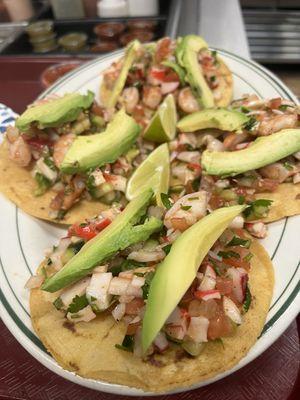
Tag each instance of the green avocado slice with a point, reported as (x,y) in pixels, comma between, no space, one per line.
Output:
(178,270)
(92,151)
(263,151)
(55,112)
(129,58)
(187,56)
(120,234)
(219,118)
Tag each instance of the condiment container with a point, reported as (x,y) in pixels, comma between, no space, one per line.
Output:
(67,9)
(142,36)
(112,8)
(104,47)
(144,8)
(74,41)
(109,30)
(54,72)
(43,28)
(141,25)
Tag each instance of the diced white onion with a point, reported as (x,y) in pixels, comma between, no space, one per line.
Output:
(197,329)
(98,177)
(161,341)
(119,311)
(169,87)
(118,286)
(97,290)
(231,310)
(237,222)
(147,256)
(78,289)
(84,315)
(189,156)
(45,170)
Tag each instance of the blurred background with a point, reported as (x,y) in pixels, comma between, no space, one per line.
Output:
(44,39)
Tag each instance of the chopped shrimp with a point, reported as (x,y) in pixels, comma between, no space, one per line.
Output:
(12,133)
(233,139)
(211,143)
(19,152)
(186,211)
(276,171)
(275,123)
(152,96)
(64,200)
(130,97)
(164,49)
(187,101)
(61,147)
(257,229)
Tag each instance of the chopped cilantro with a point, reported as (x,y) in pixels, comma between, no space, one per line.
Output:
(241,199)
(250,124)
(215,265)
(78,303)
(50,163)
(196,183)
(167,248)
(237,241)
(257,209)
(228,254)
(248,299)
(213,78)
(165,200)
(248,257)
(185,208)
(176,189)
(288,166)
(283,107)
(193,198)
(147,283)
(245,110)
(58,304)
(43,184)
(61,214)
(127,343)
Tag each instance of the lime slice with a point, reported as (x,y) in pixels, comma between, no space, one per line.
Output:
(162,127)
(154,172)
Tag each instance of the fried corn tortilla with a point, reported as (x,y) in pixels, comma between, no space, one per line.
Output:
(286,201)
(88,349)
(18,185)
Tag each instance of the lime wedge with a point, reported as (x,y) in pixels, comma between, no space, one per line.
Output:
(162,127)
(154,172)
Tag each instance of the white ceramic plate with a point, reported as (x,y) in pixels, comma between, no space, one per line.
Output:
(23,238)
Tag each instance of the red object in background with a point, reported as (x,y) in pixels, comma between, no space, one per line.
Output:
(54,72)
(272,376)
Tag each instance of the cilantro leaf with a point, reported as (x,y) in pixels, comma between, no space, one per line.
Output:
(257,209)
(43,184)
(166,200)
(248,299)
(237,241)
(146,285)
(78,303)
(58,304)
(127,344)
(228,254)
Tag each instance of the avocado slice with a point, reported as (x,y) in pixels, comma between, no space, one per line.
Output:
(121,233)
(263,151)
(178,270)
(129,58)
(55,112)
(219,118)
(187,56)
(96,150)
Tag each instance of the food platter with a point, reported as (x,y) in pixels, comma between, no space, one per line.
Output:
(22,237)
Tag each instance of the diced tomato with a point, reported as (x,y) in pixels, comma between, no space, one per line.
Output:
(37,143)
(163,49)
(88,231)
(102,224)
(202,294)
(265,185)
(237,263)
(216,201)
(132,328)
(194,167)
(224,285)
(219,326)
(134,306)
(275,103)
